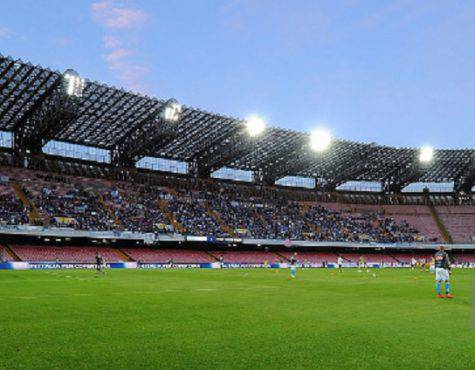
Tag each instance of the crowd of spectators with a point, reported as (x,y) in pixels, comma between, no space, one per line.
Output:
(138,209)
(190,210)
(75,207)
(363,227)
(278,218)
(12,211)
(222,212)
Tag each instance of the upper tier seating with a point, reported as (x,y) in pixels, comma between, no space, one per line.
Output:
(137,208)
(417,216)
(190,210)
(66,201)
(95,204)
(12,211)
(460,222)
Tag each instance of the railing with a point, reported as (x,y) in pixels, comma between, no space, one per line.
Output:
(150,238)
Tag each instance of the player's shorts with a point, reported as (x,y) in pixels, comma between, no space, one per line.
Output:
(442,274)
(293,269)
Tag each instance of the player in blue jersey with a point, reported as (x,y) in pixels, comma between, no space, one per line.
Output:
(442,272)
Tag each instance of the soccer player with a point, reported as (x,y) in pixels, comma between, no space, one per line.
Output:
(413,263)
(293,266)
(442,272)
(422,263)
(361,264)
(428,262)
(99,263)
(432,265)
(340,263)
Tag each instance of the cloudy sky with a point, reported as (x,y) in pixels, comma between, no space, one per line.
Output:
(397,72)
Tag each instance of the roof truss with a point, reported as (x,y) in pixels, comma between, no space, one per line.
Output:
(110,118)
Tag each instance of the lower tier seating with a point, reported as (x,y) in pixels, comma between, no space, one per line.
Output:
(65,254)
(165,255)
(246,256)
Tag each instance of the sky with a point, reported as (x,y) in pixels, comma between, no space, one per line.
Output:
(399,73)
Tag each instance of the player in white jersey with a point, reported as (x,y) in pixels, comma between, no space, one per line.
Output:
(340,263)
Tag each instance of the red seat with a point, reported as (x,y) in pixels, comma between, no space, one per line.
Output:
(64,254)
(164,255)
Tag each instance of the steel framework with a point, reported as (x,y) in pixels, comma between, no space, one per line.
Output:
(35,109)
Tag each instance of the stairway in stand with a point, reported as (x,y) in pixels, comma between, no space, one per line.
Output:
(163,205)
(110,211)
(123,255)
(11,253)
(33,213)
(303,211)
(224,227)
(440,224)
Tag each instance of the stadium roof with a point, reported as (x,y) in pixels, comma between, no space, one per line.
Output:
(105,117)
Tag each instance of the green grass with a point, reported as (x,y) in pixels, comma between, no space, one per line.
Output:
(234,319)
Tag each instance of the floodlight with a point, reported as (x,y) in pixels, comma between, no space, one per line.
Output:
(73,85)
(426,154)
(255,126)
(172,111)
(320,139)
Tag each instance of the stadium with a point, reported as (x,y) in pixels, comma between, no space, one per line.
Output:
(133,214)
(59,212)
(139,232)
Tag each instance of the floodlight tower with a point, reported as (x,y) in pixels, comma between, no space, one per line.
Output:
(426,158)
(255,127)
(51,113)
(426,154)
(241,139)
(171,112)
(412,166)
(320,141)
(72,84)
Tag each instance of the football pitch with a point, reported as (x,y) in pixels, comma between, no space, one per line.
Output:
(234,319)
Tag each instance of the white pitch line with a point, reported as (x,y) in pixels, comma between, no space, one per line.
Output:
(152,292)
(26,297)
